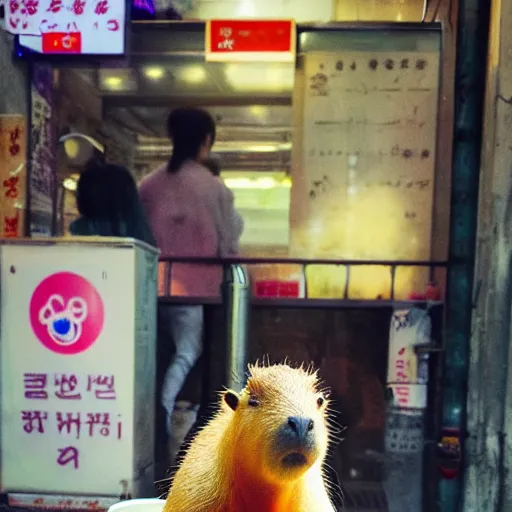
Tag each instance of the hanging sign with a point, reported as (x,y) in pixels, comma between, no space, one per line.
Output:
(93,27)
(13,152)
(250,40)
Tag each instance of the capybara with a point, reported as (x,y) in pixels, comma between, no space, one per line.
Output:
(263,451)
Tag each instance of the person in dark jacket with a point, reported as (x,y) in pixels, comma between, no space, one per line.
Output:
(108,202)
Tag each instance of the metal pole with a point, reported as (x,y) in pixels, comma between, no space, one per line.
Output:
(470,74)
(236,295)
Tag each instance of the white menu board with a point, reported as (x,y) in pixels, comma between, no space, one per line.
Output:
(94,27)
(368,153)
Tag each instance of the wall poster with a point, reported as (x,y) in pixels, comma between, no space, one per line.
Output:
(364,187)
(43,170)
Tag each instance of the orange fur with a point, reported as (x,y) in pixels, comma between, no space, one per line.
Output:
(231,466)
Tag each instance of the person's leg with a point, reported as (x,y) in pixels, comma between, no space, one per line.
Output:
(186,325)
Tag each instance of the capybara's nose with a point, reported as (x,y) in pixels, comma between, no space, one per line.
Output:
(300,426)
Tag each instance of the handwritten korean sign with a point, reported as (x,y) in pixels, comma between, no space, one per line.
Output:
(250,40)
(68,26)
(12,174)
(71,426)
(68,416)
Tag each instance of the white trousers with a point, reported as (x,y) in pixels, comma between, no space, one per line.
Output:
(185,325)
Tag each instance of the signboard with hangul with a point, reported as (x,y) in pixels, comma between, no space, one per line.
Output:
(76,378)
(13,154)
(250,40)
(93,27)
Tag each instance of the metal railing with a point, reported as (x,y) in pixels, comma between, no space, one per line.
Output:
(391,265)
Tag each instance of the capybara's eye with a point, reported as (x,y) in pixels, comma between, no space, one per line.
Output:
(253,402)
(320,401)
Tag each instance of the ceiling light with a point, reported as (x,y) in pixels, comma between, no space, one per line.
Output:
(154,73)
(258,183)
(258,111)
(260,77)
(113,82)
(193,74)
(70,184)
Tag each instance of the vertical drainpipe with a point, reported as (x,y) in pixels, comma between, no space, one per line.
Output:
(470,74)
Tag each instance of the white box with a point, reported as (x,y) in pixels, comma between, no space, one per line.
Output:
(77,315)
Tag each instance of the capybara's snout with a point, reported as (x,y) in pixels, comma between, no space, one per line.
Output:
(299,427)
(297,433)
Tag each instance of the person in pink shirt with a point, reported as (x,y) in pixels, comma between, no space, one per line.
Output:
(191,213)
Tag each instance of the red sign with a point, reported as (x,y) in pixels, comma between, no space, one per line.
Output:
(250,40)
(62,42)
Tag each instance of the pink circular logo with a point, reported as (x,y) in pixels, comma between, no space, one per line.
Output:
(66,313)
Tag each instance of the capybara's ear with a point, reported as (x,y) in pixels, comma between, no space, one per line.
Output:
(232,399)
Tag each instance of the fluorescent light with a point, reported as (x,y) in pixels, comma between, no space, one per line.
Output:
(113,82)
(154,73)
(193,74)
(260,77)
(70,184)
(257,183)
(258,111)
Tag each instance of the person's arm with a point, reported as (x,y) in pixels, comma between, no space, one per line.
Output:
(229,222)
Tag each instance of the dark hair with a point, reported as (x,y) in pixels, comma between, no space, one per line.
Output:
(213,166)
(188,128)
(108,193)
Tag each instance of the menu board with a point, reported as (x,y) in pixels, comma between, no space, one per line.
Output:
(364,179)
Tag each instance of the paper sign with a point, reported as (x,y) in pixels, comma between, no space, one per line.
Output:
(250,40)
(13,152)
(64,26)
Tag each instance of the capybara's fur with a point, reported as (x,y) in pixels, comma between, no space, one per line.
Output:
(262,452)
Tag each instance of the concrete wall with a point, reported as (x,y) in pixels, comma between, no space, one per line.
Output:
(13,87)
(489,444)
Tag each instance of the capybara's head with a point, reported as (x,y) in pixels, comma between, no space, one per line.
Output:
(279,422)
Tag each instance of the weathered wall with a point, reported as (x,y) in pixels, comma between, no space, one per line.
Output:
(489,445)
(13,89)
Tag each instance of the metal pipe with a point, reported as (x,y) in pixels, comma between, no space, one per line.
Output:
(236,296)
(470,73)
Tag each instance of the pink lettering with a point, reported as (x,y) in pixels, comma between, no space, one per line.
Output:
(102,420)
(35,386)
(14,22)
(101,7)
(67,385)
(67,456)
(55,6)
(78,7)
(34,421)
(102,385)
(402,395)
(113,25)
(31,6)
(67,421)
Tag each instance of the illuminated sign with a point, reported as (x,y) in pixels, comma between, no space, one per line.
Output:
(94,27)
(250,40)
